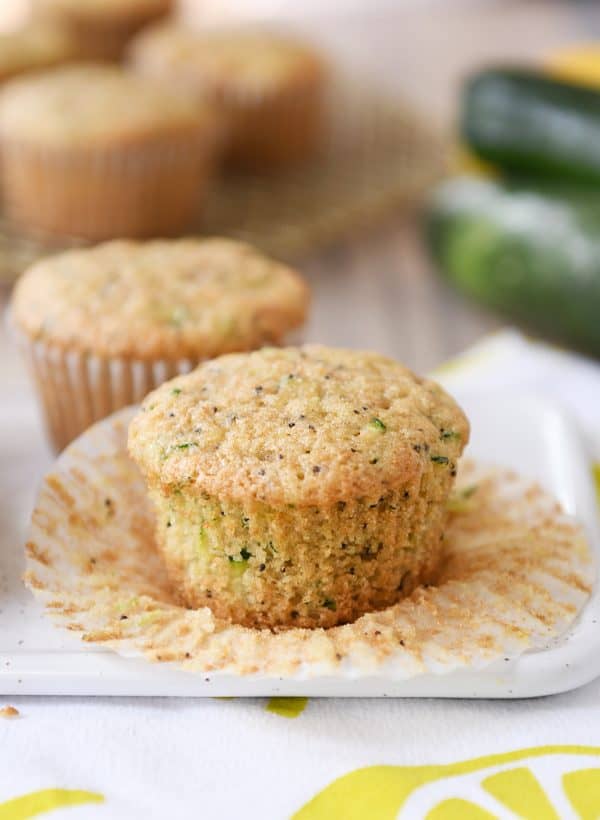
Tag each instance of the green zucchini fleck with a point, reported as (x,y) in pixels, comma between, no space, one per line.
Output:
(377,424)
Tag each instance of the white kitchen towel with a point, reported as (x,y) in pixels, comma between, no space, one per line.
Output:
(207,759)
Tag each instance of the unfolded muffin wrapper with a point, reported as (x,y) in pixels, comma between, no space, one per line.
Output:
(517,573)
(77,389)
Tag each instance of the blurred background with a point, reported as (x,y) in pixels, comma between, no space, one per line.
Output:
(420,48)
(378,282)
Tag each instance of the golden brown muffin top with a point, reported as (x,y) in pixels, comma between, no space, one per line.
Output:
(166,299)
(304,426)
(226,61)
(33,47)
(75,105)
(101,9)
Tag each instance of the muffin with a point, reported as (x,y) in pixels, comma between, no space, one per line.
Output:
(101,327)
(33,48)
(269,89)
(101,28)
(95,152)
(298,487)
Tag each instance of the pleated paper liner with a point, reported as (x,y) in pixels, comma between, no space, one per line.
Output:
(517,573)
(377,156)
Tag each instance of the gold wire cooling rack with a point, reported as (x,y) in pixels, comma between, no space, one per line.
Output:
(377,155)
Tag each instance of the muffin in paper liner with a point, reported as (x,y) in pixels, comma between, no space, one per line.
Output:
(99,328)
(517,573)
(95,152)
(269,88)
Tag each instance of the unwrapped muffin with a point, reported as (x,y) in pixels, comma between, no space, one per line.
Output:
(269,88)
(33,48)
(101,327)
(299,486)
(95,152)
(101,28)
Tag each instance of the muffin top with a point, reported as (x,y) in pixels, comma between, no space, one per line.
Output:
(165,299)
(102,8)
(33,47)
(304,426)
(238,61)
(78,104)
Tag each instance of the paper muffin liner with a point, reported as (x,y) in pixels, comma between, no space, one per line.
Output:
(77,389)
(143,189)
(517,573)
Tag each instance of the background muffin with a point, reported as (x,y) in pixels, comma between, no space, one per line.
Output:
(33,48)
(101,327)
(299,486)
(269,88)
(96,152)
(101,28)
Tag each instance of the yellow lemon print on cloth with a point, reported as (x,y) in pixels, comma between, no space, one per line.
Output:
(35,803)
(543,783)
(287,707)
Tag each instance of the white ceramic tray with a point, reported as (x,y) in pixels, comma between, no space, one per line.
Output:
(521,432)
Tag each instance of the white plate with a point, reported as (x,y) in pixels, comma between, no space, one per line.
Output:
(522,432)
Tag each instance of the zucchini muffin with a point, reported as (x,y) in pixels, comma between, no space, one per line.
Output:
(101,28)
(33,48)
(96,152)
(101,327)
(299,486)
(269,88)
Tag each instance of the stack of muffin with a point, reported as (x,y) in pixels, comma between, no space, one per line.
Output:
(96,150)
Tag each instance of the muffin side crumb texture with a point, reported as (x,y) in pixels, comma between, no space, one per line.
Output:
(299,487)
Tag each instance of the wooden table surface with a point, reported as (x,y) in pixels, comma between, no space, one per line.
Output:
(377,289)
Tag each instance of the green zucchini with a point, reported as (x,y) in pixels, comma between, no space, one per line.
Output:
(531,252)
(524,121)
